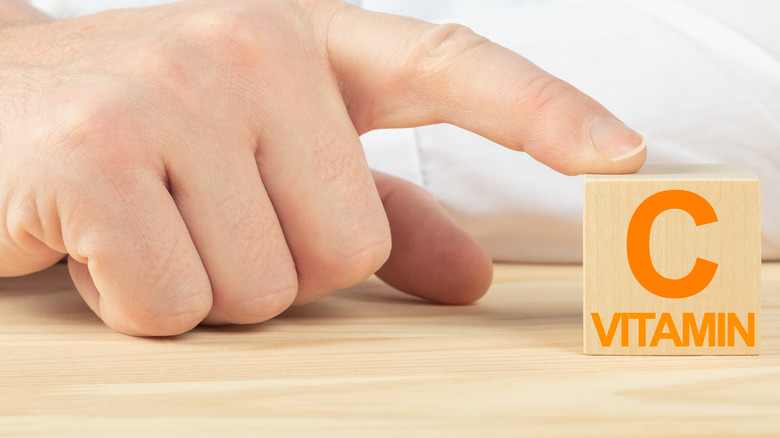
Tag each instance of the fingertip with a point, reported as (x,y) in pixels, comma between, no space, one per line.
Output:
(615,140)
(164,310)
(164,319)
(623,150)
(606,146)
(468,276)
(271,295)
(634,161)
(451,270)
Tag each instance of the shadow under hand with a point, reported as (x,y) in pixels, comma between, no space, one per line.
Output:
(538,313)
(46,298)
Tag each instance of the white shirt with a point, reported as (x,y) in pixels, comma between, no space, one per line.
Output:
(700,79)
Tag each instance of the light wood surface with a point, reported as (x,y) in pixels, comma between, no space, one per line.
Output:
(371,362)
(638,239)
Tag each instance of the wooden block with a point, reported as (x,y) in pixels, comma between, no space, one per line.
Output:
(672,261)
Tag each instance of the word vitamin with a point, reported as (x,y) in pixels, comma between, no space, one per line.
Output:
(713,329)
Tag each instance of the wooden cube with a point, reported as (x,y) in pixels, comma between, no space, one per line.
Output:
(672,261)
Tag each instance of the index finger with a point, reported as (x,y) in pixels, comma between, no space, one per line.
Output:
(400,72)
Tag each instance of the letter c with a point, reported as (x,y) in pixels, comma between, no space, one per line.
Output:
(638,244)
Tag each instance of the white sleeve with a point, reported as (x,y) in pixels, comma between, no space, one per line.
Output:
(700,79)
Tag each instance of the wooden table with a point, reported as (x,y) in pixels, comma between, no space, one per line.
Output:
(371,362)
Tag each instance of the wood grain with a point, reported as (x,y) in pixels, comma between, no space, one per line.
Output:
(369,361)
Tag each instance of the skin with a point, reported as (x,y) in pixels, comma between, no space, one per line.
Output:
(200,162)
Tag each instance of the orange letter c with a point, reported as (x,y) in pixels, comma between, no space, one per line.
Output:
(638,244)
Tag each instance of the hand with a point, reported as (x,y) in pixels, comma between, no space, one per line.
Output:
(200,161)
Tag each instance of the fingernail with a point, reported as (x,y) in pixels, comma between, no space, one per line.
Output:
(615,140)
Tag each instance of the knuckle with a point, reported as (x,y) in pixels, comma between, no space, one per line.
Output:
(357,257)
(334,168)
(545,100)
(237,35)
(169,318)
(219,28)
(269,297)
(448,39)
(440,47)
(168,322)
(543,94)
(258,295)
(225,48)
(243,205)
(176,315)
(95,128)
(258,285)
(202,48)
(148,286)
(107,140)
(86,122)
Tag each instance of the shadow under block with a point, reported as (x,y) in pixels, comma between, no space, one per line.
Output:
(672,259)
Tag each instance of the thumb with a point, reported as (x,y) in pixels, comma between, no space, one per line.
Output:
(432,257)
(400,72)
